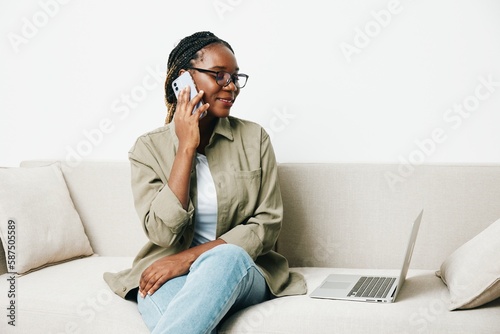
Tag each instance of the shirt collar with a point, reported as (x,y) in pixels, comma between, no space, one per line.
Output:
(223,128)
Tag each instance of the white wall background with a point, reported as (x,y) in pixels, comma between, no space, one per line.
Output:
(419,82)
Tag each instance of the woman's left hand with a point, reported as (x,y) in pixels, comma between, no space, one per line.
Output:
(163,270)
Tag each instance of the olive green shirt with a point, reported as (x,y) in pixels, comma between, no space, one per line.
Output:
(249,205)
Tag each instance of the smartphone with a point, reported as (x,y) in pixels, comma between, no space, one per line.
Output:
(182,81)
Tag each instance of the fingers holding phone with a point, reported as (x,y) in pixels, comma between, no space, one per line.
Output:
(179,85)
(189,104)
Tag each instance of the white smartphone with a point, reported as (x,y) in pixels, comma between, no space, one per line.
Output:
(182,81)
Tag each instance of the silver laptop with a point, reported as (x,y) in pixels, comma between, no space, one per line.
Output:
(368,288)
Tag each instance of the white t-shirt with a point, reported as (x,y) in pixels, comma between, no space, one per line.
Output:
(206,207)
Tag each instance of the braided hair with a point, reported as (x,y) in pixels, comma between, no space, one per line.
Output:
(182,56)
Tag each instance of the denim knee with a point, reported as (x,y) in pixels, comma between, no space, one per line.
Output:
(224,256)
(230,251)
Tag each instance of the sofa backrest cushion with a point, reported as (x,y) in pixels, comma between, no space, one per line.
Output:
(360,215)
(336,214)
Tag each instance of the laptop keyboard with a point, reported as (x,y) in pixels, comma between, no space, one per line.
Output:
(372,287)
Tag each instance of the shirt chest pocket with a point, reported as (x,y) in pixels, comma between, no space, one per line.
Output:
(248,187)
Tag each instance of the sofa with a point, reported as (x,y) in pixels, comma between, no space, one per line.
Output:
(338,218)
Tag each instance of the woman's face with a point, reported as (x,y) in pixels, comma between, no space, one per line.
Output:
(216,57)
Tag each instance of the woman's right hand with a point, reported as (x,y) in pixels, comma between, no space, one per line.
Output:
(187,122)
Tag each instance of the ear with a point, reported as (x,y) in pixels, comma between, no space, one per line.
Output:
(181,71)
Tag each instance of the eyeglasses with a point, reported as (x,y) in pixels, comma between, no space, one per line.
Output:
(223,79)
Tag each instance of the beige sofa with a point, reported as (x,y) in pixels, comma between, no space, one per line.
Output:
(339,218)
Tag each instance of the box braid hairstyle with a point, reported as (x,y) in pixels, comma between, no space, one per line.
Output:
(182,56)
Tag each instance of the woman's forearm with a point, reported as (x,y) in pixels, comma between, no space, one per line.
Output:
(180,175)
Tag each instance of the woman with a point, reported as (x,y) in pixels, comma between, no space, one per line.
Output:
(206,190)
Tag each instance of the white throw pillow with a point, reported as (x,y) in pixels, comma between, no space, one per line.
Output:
(39,224)
(472,272)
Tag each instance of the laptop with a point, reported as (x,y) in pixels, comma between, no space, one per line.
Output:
(367,288)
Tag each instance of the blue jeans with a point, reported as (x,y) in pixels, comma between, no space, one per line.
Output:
(220,282)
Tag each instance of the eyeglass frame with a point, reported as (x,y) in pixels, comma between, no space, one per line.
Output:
(231,78)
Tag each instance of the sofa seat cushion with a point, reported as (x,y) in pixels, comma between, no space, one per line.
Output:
(421,307)
(72,297)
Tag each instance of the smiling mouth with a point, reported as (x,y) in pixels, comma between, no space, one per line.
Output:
(227,101)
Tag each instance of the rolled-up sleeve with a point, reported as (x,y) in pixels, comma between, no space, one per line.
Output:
(162,215)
